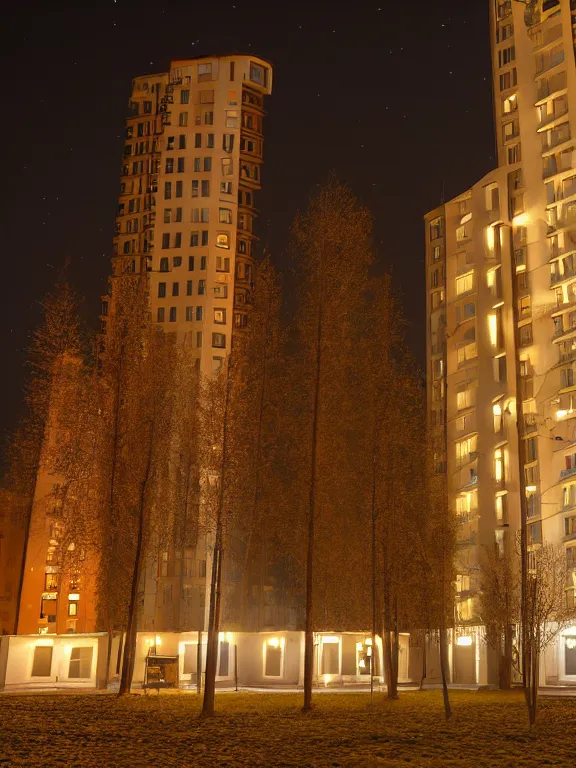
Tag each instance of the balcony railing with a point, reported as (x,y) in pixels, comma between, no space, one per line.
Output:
(558,277)
(567,473)
(553,116)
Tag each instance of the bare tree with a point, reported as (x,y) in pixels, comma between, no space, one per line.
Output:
(332,249)
(547,613)
(58,339)
(435,535)
(500,607)
(255,434)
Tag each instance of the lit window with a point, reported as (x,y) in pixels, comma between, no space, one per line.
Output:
(222,241)
(498,465)
(467,352)
(464,283)
(225,216)
(497,414)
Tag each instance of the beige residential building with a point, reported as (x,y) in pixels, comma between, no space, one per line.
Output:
(190,170)
(517,224)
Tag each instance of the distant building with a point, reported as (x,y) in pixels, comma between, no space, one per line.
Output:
(517,224)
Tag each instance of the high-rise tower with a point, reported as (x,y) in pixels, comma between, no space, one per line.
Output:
(501,275)
(190,170)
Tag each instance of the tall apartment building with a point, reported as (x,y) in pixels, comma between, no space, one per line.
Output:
(501,307)
(191,168)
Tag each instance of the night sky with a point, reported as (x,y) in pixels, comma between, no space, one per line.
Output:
(396,97)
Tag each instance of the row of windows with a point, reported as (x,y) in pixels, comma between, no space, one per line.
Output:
(193,313)
(250,121)
(220,290)
(206,72)
(174,240)
(243,271)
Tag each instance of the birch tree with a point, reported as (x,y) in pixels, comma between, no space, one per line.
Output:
(547,613)
(500,608)
(332,250)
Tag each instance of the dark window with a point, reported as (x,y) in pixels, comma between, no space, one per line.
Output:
(179,188)
(190,658)
(190,263)
(161,290)
(224,661)
(180,165)
(172,314)
(189,288)
(273,666)
(175,289)
(184,97)
(42,663)
(81,662)
(330,658)
(166,240)
(204,237)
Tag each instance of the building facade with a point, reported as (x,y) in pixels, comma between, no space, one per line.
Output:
(190,171)
(501,308)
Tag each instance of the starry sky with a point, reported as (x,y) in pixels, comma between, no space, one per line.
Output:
(395,96)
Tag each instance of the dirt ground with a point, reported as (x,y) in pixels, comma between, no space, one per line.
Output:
(256,729)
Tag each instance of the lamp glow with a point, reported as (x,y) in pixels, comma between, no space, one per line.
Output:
(465,640)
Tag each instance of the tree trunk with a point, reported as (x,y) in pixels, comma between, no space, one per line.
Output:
(395,651)
(374,565)
(444,672)
(131,633)
(309,626)
(213,627)
(108,657)
(505,681)
(423,676)
(199,664)
(534,688)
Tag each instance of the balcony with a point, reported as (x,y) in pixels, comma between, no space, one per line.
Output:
(567,473)
(467,540)
(551,86)
(558,137)
(559,277)
(552,117)
(530,423)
